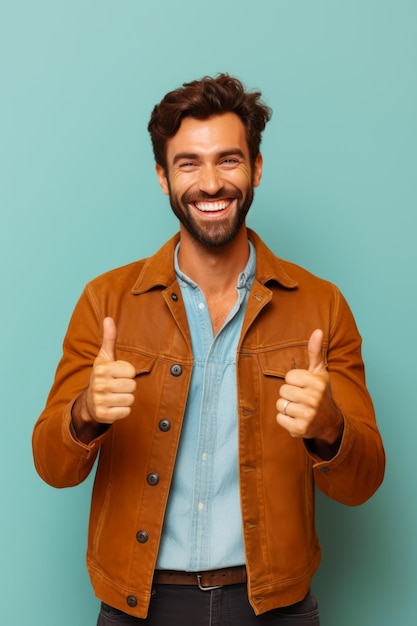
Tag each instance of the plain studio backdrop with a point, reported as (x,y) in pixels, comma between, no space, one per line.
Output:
(79,196)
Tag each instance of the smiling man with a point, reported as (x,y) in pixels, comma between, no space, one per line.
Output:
(210,179)
(220,385)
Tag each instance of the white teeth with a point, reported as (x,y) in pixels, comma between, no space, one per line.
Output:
(220,205)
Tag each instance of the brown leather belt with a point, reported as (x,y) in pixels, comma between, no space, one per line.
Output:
(205,580)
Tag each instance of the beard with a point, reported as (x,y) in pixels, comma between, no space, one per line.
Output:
(215,233)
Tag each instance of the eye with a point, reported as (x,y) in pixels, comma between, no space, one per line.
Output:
(188,165)
(229,163)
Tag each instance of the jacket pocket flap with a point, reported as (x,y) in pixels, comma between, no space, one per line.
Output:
(142,363)
(279,361)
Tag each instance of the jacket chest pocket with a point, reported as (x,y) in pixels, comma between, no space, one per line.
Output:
(263,373)
(278,362)
(142,363)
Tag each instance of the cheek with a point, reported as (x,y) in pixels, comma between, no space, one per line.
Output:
(180,183)
(243,177)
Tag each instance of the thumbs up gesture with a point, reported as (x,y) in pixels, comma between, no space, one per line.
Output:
(110,393)
(306,407)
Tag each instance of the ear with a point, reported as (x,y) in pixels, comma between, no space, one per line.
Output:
(257,170)
(163,181)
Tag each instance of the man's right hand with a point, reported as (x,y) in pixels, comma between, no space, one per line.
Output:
(110,393)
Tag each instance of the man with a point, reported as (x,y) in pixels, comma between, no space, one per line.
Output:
(220,384)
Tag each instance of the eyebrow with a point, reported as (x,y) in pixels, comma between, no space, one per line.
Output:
(192,156)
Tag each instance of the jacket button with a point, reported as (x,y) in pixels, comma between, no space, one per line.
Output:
(142,536)
(174,297)
(131,601)
(164,425)
(153,479)
(176,370)
(324,470)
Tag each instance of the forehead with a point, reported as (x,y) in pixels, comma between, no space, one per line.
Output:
(208,137)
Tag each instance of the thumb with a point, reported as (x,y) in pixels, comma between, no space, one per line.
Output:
(109,339)
(316,363)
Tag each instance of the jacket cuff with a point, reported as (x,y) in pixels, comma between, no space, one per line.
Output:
(70,438)
(340,453)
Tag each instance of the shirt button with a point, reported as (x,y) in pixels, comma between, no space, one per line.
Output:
(153,479)
(131,601)
(201,306)
(142,536)
(176,370)
(164,425)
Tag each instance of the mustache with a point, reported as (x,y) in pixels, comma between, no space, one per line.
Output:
(225,192)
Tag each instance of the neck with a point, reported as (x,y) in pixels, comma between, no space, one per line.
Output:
(215,270)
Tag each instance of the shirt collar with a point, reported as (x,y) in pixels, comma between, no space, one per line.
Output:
(245,278)
(158,270)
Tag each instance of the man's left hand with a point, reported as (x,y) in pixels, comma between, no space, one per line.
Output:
(306,407)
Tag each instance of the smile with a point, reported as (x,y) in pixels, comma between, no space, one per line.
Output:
(214,206)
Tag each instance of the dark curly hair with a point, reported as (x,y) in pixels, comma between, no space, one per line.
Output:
(201,99)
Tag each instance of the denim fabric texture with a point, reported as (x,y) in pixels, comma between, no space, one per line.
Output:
(205,488)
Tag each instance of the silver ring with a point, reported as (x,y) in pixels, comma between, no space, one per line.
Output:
(286,403)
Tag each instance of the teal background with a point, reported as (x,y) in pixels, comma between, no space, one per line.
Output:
(79,196)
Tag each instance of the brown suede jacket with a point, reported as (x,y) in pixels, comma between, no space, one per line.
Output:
(277,472)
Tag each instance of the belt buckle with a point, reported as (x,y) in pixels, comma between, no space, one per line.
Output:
(200,586)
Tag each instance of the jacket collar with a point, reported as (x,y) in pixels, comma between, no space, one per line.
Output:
(158,270)
(268,266)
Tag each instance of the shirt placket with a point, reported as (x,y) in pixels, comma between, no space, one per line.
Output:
(204,464)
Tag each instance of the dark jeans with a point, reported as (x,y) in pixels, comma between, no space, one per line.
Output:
(175,605)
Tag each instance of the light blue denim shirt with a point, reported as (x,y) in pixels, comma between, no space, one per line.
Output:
(203,523)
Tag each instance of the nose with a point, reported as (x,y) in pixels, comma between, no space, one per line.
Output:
(210,180)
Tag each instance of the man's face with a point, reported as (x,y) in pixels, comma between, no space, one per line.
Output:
(209,178)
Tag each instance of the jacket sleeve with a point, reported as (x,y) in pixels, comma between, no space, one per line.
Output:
(357,470)
(60,459)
